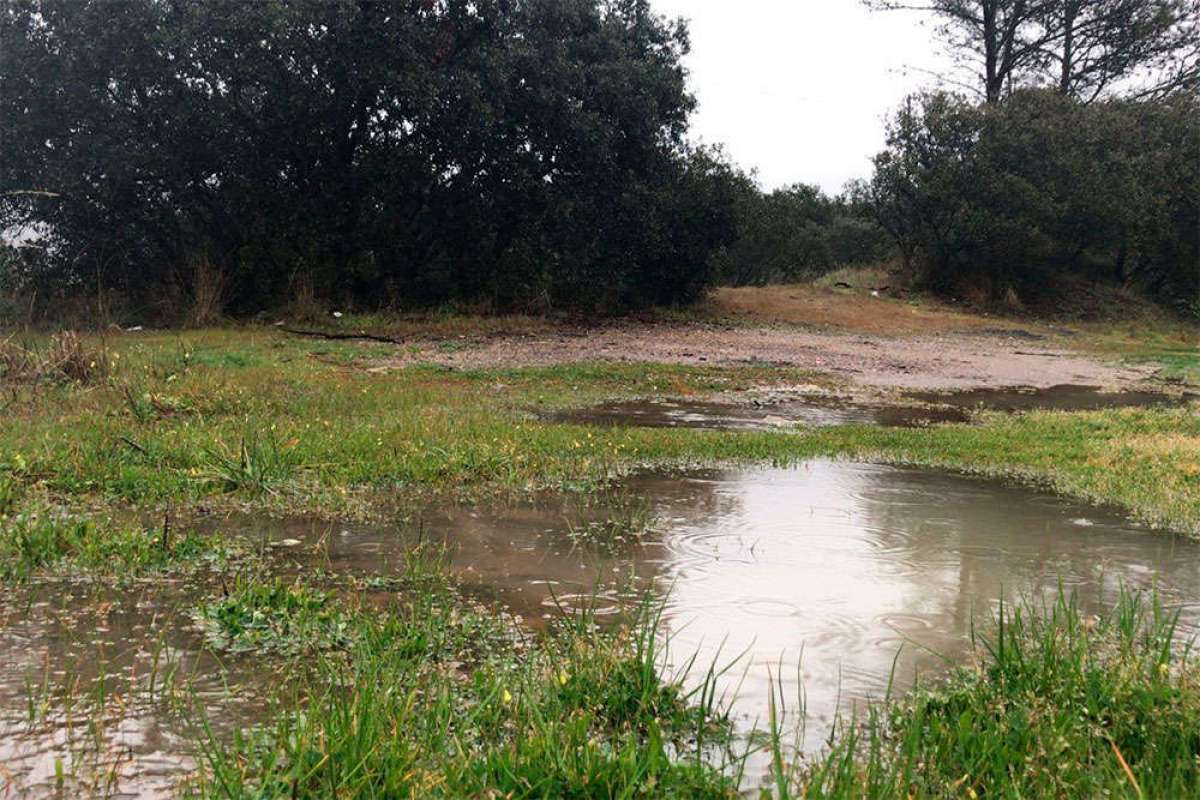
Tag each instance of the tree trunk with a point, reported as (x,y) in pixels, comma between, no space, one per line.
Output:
(1070,12)
(993,80)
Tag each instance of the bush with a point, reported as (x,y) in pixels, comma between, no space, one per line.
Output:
(797,233)
(1007,196)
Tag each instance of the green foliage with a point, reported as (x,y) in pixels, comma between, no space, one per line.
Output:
(41,538)
(585,714)
(998,198)
(260,464)
(400,152)
(273,617)
(796,233)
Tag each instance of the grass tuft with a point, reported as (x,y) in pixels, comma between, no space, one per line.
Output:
(65,357)
(1058,704)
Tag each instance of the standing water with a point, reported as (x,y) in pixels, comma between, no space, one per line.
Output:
(817,576)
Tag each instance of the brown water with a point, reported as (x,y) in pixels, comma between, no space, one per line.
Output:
(847,563)
(823,411)
(99,683)
(810,411)
(818,575)
(1063,397)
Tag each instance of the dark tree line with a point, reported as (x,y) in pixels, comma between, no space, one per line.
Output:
(797,233)
(519,153)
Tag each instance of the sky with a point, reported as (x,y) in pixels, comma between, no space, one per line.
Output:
(799,89)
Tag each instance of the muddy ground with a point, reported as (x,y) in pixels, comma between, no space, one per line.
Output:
(968,359)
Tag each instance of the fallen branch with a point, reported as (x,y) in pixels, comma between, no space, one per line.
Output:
(340,336)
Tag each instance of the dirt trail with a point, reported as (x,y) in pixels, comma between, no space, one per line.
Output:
(964,360)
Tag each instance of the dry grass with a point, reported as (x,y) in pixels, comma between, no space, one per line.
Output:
(65,357)
(843,309)
(208,290)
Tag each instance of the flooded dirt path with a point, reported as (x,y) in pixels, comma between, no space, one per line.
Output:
(783,411)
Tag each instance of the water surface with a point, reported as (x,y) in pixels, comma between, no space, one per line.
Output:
(820,411)
(846,564)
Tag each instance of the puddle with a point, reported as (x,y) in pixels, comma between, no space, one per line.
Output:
(808,412)
(823,411)
(847,563)
(817,575)
(67,649)
(1064,397)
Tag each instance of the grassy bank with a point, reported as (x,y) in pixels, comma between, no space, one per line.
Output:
(1057,704)
(432,698)
(257,419)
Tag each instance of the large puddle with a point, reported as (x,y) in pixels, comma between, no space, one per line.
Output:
(819,411)
(817,576)
(845,563)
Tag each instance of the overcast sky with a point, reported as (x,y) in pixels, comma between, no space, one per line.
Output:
(798,89)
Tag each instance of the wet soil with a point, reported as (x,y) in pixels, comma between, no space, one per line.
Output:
(942,361)
(807,412)
(781,411)
(1061,397)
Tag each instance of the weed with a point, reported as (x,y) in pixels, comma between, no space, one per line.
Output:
(65,357)
(258,466)
(623,519)
(273,617)
(10,492)
(587,715)
(43,537)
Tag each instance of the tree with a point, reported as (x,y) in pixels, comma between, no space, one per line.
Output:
(997,39)
(1083,47)
(794,233)
(1020,195)
(518,153)
(1090,45)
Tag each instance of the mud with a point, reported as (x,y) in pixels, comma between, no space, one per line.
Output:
(944,361)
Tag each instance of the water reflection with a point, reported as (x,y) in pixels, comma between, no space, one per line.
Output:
(845,563)
(849,564)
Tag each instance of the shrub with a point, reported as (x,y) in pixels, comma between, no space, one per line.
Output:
(1006,196)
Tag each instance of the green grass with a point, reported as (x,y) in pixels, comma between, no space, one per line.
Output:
(432,698)
(46,539)
(399,687)
(1058,704)
(273,616)
(289,431)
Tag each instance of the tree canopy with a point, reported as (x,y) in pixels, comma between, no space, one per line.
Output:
(1084,48)
(520,153)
